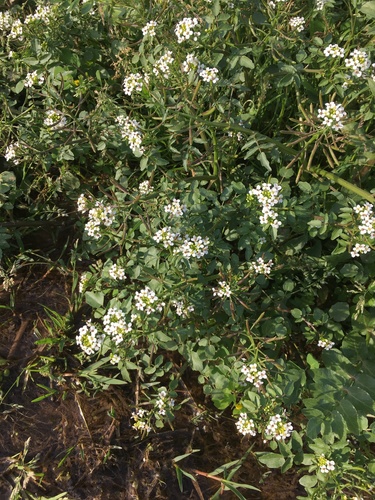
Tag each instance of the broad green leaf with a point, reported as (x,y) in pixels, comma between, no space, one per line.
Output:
(368,8)
(94,299)
(339,311)
(272,460)
(308,481)
(350,416)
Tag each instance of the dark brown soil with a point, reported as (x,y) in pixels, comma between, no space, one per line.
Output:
(83,444)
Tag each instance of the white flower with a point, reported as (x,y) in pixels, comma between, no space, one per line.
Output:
(82,203)
(223,290)
(145,188)
(185,29)
(134,82)
(333,50)
(89,339)
(278,429)
(146,300)
(5,21)
(320,4)
(130,131)
(166,236)
(268,196)
(253,374)
(11,153)
(359,248)
(332,115)
(141,418)
(358,62)
(99,215)
(33,79)
(194,246)
(114,359)
(261,267)
(162,65)
(325,344)
(116,272)
(42,13)
(325,465)
(149,29)
(297,23)
(175,208)
(191,63)
(54,119)
(115,325)
(83,282)
(163,403)
(208,74)
(245,425)
(16,31)
(181,309)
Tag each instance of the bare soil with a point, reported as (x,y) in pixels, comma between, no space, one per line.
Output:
(83,443)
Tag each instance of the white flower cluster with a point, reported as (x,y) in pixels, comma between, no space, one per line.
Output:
(332,115)
(325,344)
(358,249)
(185,29)
(193,246)
(16,32)
(176,209)
(191,63)
(115,325)
(268,196)
(89,339)
(83,282)
(116,272)
(42,13)
(181,309)
(367,219)
(320,4)
(358,61)
(82,203)
(253,374)
(54,119)
(162,65)
(149,29)
(114,359)
(130,132)
(146,300)
(261,267)
(208,74)
(325,465)
(98,215)
(297,23)
(166,236)
(145,188)
(278,429)
(333,50)
(223,290)
(33,79)
(141,418)
(11,153)
(134,82)
(245,425)
(163,403)
(5,21)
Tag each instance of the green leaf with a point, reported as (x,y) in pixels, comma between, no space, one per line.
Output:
(308,481)
(197,364)
(339,311)
(94,299)
(368,8)
(350,416)
(272,460)
(246,62)
(361,400)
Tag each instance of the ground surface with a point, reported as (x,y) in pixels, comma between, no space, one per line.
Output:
(83,443)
